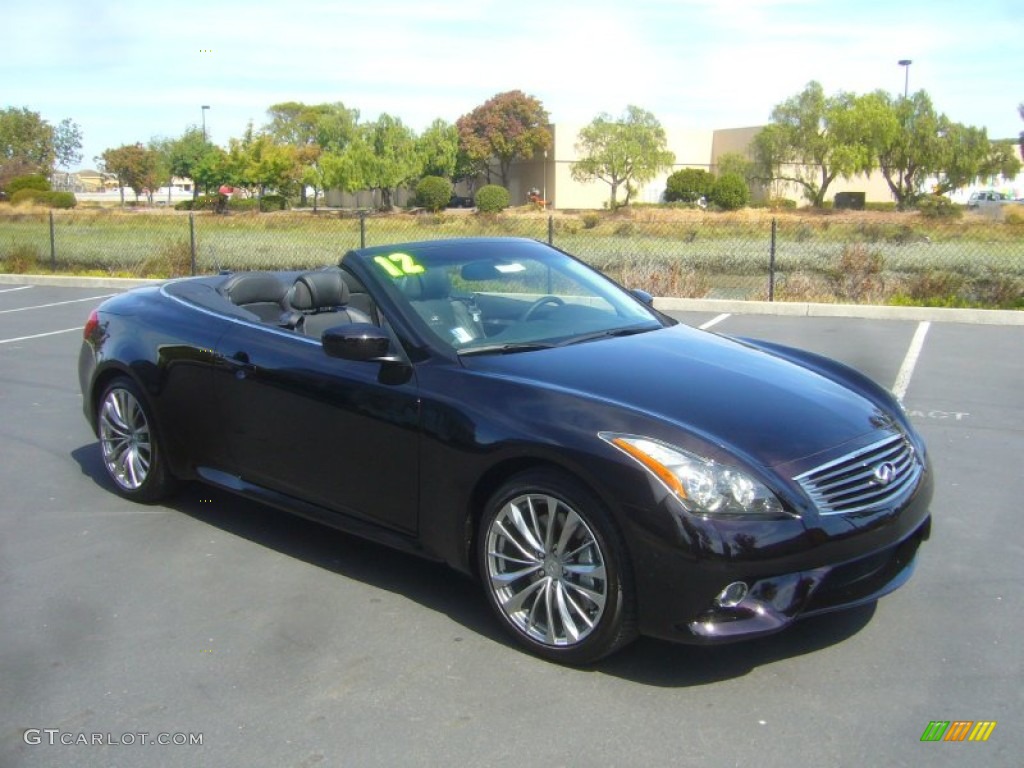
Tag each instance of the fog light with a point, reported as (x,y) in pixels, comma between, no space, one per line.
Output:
(732,595)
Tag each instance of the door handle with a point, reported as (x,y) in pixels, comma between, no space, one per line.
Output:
(240,362)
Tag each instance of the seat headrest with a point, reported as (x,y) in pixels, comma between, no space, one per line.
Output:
(319,290)
(253,287)
(429,285)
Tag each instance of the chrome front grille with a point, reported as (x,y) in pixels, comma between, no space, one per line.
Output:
(878,476)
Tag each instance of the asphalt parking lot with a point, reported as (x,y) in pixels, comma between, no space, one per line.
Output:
(282,643)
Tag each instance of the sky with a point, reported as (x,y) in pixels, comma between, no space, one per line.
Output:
(128,71)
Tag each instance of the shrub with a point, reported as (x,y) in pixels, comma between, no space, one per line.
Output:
(491,198)
(32,181)
(183,205)
(591,220)
(273,203)
(869,206)
(938,207)
(21,259)
(688,185)
(433,193)
(729,192)
(61,199)
(26,196)
(44,197)
(243,204)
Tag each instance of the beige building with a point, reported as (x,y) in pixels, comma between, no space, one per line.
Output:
(552,174)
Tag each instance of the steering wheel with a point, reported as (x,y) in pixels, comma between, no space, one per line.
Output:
(542,301)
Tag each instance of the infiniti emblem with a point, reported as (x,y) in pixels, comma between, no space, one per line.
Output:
(885,473)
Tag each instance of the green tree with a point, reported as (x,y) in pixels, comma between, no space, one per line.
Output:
(738,163)
(67,144)
(622,151)
(812,140)
(914,143)
(132,164)
(348,169)
(438,149)
(394,161)
(507,127)
(183,155)
(312,129)
(26,143)
(688,185)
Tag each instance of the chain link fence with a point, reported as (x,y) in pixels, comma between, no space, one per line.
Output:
(865,257)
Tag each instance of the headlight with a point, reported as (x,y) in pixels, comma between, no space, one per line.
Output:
(703,486)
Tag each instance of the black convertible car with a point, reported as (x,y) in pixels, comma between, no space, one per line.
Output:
(497,405)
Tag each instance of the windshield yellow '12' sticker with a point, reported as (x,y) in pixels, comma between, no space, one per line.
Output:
(399,264)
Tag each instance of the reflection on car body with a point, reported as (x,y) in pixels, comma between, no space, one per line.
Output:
(497,405)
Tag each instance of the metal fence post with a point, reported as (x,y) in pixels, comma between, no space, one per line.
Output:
(192,238)
(771,263)
(53,246)
(362,229)
(551,229)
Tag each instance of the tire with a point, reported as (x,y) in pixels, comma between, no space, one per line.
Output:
(132,455)
(554,568)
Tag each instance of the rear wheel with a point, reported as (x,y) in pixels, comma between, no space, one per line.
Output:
(554,568)
(132,455)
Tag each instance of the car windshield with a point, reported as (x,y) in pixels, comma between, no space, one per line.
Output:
(498,296)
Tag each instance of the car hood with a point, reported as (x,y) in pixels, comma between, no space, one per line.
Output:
(728,392)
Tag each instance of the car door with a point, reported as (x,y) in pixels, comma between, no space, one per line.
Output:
(339,434)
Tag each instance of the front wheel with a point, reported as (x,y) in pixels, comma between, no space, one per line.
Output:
(554,568)
(131,451)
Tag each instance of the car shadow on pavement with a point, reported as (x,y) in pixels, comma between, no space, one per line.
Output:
(438,588)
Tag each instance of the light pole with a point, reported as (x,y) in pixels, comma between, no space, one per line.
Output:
(204,108)
(905,63)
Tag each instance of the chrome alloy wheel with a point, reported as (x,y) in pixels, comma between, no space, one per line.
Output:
(546,570)
(125,439)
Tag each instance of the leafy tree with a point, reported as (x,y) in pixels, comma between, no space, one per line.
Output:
(26,143)
(738,163)
(132,164)
(507,127)
(182,156)
(67,144)
(812,140)
(688,185)
(912,142)
(312,129)
(346,170)
(438,149)
(394,161)
(622,151)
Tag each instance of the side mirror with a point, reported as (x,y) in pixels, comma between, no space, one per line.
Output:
(361,342)
(644,296)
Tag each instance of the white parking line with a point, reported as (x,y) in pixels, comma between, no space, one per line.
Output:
(714,321)
(907,369)
(57,303)
(40,335)
(19,288)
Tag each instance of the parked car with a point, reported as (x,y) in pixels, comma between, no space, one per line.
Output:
(988,199)
(497,405)
(461,201)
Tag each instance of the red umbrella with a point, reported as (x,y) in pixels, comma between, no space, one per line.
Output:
(226,190)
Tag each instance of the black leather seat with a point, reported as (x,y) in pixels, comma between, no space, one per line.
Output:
(261,293)
(322,301)
(451,318)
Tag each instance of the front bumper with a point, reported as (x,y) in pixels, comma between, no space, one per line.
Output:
(774,603)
